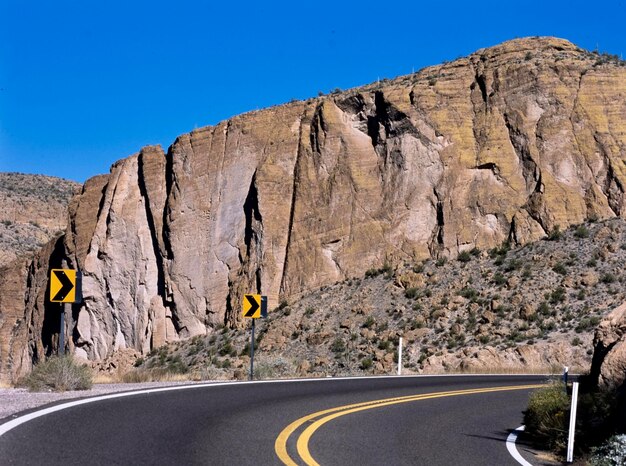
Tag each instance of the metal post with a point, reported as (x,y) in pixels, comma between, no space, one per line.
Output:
(572,424)
(64,308)
(565,374)
(252,352)
(400,357)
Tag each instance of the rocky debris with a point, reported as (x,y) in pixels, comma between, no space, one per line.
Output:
(609,357)
(486,149)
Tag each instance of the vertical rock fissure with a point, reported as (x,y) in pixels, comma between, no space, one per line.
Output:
(294,188)
(143,190)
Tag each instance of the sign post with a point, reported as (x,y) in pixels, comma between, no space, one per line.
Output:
(65,288)
(254,307)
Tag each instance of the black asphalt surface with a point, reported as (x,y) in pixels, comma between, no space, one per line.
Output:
(238,425)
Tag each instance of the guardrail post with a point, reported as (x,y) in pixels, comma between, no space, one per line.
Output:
(400,357)
(572,424)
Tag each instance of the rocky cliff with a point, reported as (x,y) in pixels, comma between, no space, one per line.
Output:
(33,209)
(506,144)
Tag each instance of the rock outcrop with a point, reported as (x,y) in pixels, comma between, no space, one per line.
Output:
(506,144)
(33,210)
(608,368)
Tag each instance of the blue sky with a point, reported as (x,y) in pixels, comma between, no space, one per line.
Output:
(85,83)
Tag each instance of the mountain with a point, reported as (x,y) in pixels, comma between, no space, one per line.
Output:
(34,209)
(506,145)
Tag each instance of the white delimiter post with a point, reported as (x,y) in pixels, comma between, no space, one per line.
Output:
(572,423)
(400,356)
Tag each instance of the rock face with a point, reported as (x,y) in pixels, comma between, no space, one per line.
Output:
(608,367)
(33,210)
(506,144)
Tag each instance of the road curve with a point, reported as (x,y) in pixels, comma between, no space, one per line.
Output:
(430,420)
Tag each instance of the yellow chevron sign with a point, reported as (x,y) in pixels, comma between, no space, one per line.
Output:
(65,286)
(254,306)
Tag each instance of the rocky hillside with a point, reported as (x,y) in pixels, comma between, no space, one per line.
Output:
(533,308)
(33,208)
(503,145)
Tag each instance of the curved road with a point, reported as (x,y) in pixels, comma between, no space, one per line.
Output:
(425,420)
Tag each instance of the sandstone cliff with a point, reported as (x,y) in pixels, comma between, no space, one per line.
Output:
(506,144)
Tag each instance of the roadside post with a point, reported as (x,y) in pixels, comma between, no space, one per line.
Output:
(572,423)
(65,288)
(565,374)
(254,307)
(400,357)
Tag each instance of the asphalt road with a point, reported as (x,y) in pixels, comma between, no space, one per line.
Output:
(240,424)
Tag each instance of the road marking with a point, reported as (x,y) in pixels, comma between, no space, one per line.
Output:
(510,445)
(322,417)
(9,425)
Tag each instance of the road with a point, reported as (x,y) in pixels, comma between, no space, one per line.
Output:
(440,421)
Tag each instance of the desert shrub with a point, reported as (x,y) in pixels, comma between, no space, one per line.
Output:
(560,268)
(366,363)
(608,278)
(610,453)
(558,295)
(369,322)
(499,279)
(464,256)
(412,293)
(512,265)
(58,373)
(272,368)
(469,293)
(338,346)
(441,261)
(555,234)
(309,311)
(581,232)
(546,418)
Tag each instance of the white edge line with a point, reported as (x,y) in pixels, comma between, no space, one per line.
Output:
(510,445)
(7,426)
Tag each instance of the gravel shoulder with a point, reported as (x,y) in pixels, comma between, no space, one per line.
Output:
(14,401)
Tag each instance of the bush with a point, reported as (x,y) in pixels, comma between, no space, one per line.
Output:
(58,373)
(338,346)
(366,363)
(581,232)
(464,256)
(610,453)
(412,293)
(546,418)
(555,234)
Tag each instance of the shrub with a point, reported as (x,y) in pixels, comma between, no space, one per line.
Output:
(412,293)
(581,232)
(560,269)
(608,278)
(546,418)
(499,279)
(464,256)
(309,311)
(610,453)
(273,367)
(555,234)
(338,346)
(558,295)
(369,322)
(58,373)
(441,262)
(366,363)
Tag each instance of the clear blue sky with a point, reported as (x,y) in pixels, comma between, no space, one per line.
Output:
(85,83)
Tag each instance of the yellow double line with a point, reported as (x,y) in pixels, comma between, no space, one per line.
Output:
(322,417)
